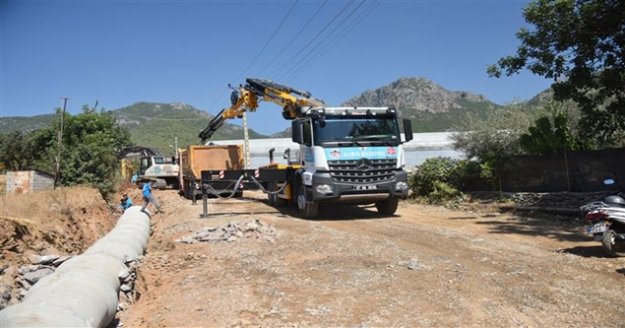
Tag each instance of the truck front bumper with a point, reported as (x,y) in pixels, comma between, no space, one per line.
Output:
(324,188)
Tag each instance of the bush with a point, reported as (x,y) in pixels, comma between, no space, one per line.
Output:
(442,179)
(431,171)
(443,193)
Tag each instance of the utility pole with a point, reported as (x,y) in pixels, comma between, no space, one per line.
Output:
(246,143)
(60,145)
(176,148)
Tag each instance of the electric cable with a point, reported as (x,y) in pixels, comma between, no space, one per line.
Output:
(287,44)
(308,54)
(332,20)
(344,32)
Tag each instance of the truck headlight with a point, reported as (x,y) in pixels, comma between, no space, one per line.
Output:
(401,186)
(323,189)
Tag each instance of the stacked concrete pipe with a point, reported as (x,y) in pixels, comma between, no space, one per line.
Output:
(83,291)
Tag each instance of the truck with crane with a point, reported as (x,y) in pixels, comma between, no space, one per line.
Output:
(346,154)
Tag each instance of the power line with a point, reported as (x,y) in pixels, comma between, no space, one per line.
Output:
(287,44)
(308,54)
(275,32)
(344,32)
(332,20)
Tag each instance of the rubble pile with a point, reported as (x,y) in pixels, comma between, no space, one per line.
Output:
(233,231)
(127,293)
(16,282)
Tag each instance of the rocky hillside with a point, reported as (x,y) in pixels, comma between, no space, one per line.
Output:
(430,106)
(150,124)
(156,125)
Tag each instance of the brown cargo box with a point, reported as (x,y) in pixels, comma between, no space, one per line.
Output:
(196,159)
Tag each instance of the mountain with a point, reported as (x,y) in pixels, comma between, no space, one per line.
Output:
(428,105)
(150,124)
(20,123)
(156,125)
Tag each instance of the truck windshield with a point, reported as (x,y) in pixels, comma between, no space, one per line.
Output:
(355,130)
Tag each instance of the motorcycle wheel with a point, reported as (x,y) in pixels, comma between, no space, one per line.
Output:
(610,246)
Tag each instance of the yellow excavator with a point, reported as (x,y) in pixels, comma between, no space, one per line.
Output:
(346,154)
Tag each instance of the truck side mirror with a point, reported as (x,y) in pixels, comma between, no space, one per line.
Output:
(407,129)
(296,131)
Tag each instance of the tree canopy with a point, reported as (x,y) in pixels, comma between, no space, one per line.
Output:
(91,142)
(580,44)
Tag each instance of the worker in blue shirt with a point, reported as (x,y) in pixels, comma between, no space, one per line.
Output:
(125,203)
(149,198)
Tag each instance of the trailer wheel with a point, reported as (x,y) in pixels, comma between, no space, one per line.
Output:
(309,210)
(387,206)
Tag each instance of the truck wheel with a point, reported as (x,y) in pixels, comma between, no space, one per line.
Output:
(187,190)
(309,210)
(387,206)
(611,246)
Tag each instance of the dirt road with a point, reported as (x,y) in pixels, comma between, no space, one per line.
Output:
(426,266)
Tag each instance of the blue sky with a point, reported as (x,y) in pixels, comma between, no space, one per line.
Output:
(119,52)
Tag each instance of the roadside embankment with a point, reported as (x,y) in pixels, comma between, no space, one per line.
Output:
(61,222)
(83,291)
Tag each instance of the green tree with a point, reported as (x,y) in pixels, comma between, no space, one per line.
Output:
(20,150)
(91,142)
(494,140)
(579,44)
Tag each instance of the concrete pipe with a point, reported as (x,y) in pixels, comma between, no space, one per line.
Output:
(83,291)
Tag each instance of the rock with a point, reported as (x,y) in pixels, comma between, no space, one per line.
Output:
(25,284)
(253,225)
(61,259)
(5,292)
(48,259)
(34,276)
(124,274)
(126,288)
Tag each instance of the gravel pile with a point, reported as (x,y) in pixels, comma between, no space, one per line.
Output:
(233,231)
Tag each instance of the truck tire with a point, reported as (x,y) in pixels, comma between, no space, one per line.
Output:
(186,190)
(308,210)
(609,245)
(387,206)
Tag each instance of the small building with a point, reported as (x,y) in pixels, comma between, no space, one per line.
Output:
(21,182)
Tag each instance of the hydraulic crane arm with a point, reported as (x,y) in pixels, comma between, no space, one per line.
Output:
(246,98)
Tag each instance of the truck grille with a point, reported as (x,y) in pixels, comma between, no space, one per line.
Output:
(363,170)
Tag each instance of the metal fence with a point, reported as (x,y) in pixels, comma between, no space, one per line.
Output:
(577,171)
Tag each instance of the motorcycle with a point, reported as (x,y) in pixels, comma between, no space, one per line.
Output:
(606,223)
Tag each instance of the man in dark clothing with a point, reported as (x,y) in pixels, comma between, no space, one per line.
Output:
(149,198)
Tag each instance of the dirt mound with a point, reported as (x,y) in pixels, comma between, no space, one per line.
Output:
(65,221)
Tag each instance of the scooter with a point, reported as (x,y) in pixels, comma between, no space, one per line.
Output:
(606,223)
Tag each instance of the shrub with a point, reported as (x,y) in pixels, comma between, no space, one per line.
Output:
(442,179)
(432,170)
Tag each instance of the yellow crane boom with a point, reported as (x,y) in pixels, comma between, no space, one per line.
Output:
(247,97)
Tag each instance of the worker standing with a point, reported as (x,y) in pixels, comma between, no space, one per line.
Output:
(149,198)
